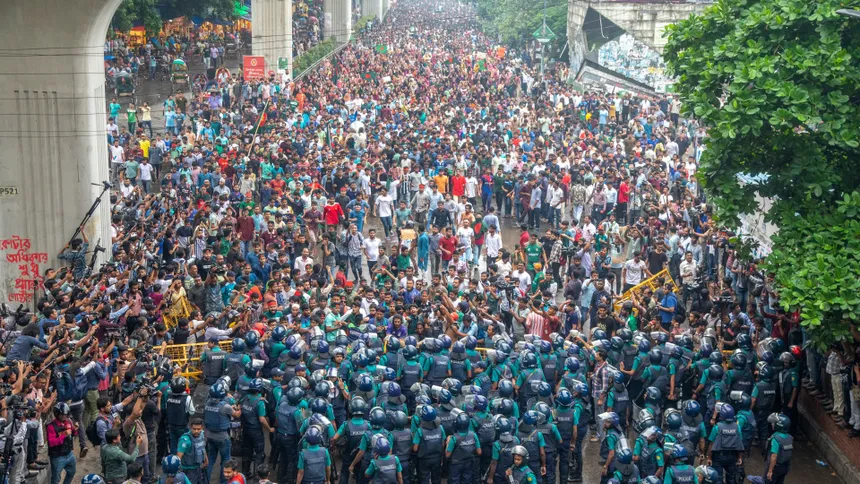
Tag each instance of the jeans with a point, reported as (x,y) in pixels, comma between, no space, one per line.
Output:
(355,265)
(147,125)
(534,218)
(145,184)
(386,225)
(577,212)
(813,362)
(64,463)
(214,448)
(90,409)
(144,462)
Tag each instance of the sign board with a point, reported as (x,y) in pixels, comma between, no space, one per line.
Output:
(543,34)
(254,67)
(283,63)
(9,192)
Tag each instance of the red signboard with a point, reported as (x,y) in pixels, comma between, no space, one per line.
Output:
(254,67)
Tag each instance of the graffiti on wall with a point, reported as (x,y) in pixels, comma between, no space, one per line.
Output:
(29,275)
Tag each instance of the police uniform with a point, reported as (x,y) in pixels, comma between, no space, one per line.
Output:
(313,462)
(764,393)
(581,416)
(484,427)
(781,444)
(727,445)
(552,439)
(462,446)
(402,448)
(429,437)
(504,458)
(563,418)
(384,470)
(353,431)
(286,441)
(680,474)
(217,418)
(179,406)
(532,440)
(523,475)
(234,364)
(650,456)
(193,451)
(253,440)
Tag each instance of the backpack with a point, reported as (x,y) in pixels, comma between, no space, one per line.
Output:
(93,432)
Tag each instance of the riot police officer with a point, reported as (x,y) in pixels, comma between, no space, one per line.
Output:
(402,445)
(618,400)
(626,471)
(314,466)
(287,434)
(763,402)
(648,452)
(520,472)
(613,442)
(727,448)
(427,444)
(235,361)
(482,423)
(462,448)
(779,449)
(502,456)
(352,431)
(254,424)
(191,451)
(179,409)
(384,468)
(677,469)
(217,418)
(532,439)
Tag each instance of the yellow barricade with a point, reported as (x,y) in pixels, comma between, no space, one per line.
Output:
(179,309)
(651,282)
(188,356)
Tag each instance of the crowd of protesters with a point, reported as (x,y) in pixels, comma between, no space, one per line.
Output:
(427,262)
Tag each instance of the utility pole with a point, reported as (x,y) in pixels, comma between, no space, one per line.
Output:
(543,44)
(543,35)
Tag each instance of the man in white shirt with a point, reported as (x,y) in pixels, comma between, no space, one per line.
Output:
(493,243)
(304,263)
(588,228)
(634,272)
(145,170)
(523,278)
(117,158)
(384,209)
(371,249)
(688,269)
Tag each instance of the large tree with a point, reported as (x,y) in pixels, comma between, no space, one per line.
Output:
(777,85)
(131,12)
(514,21)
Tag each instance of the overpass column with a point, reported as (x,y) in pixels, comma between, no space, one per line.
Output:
(372,7)
(272,32)
(338,19)
(386,6)
(52,134)
(576,38)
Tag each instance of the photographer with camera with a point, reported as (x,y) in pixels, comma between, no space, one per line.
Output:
(61,432)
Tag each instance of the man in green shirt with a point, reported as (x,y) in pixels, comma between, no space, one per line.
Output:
(533,253)
(114,460)
(114,108)
(192,452)
(131,114)
(132,170)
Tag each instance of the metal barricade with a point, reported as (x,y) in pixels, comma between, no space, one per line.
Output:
(651,283)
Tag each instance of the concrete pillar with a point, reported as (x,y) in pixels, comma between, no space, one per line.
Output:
(337,23)
(272,32)
(386,6)
(576,38)
(52,133)
(372,7)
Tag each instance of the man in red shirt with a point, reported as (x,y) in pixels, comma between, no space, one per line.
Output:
(61,433)
(333,214)
(447,244)
(623,199)
(245,227)
(278,185)
(458,185)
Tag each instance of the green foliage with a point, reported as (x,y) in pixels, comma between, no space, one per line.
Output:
(777,85)
(816,263)
(514,21)
(315,53)
(132,11)
(145,11)
(362,23)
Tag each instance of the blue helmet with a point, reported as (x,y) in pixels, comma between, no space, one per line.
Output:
(250,371)
(410,341)
(716,358)
(169,465)
(97,479)
(504,425)
(322,346)
(528,360)
(471,342)
(564,397)
(394,390)
(744,342)
(545,347)
(715,372)
(238,345)
(598,334)
(780,422)
(651,480)
(543,409)
(618,378)
(644,346)
(624,456)
(291,340)
(531,417)
(389,374)
(572,364)
(279,333)
(252,339)
(677,352)
(653,395)
(295,395)
(739,360)
(393,345)
(358,406)
(610,417)
(365,383)
(296,351)
(378,417)
(422,400)
(319,405)
(544,389)
(445,341)
(313,435)
(400,419)
(692,408)
(481,403)
(678,452)
(462,423)
(410,352)
(428,413)
(662,338)
(705,350)
(673,421)
(765,372)
(458,348)
(767,357)
(506,389)
(453,385)
(218,390)
(382,446)
(655,356)
(256,384)
(708,475)
(445,396)
(580,389)
(726,412)
(372,356)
